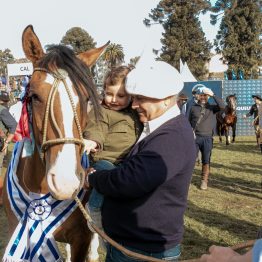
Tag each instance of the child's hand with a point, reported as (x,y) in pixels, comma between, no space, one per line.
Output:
(86,182)
(90,146)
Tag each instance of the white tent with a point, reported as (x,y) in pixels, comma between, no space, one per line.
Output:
(216,65)
(181,65)
(187,75)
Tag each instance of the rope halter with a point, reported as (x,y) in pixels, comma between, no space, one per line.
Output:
(59,76)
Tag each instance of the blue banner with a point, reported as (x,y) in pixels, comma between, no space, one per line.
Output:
(244,89)
(215,86)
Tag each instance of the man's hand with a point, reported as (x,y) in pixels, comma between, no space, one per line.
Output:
(220,254)
(86,182)
(5,147)
(208,91)
(90,146)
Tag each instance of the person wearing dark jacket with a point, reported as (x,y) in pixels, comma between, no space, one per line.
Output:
(7,131)
(146,197)
(202,118)
(186,108)
(254,112)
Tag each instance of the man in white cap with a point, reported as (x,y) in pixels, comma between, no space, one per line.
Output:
(202,118)
(146,197)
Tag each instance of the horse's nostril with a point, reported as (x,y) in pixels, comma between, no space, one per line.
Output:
(53,181)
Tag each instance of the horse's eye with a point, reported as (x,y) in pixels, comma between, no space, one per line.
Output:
(35,98)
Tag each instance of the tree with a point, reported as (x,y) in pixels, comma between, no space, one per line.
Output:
(5,58)
(114,55)
(239,36)
(79,39)
(183,37)
(133,61)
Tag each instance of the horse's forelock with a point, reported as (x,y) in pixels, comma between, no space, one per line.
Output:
(62,57)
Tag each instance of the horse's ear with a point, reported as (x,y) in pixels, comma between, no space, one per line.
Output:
(31,45)
(90,57)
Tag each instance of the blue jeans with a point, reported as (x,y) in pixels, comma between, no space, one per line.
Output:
(114,255)
(96,199)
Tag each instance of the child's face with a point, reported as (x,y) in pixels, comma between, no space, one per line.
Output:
(116,98)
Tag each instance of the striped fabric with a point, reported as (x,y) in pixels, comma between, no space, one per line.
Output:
(38,215)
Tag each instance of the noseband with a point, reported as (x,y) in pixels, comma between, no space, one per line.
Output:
(59,76)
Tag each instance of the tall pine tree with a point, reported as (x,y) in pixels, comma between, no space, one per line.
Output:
(79,39)
(183,37)
(239,38)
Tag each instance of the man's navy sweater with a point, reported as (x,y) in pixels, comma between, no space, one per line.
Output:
(145,198)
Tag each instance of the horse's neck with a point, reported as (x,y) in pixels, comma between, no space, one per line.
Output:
(230,110)
(31,174)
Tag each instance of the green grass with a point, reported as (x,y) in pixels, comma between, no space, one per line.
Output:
(230,211)
(227,213)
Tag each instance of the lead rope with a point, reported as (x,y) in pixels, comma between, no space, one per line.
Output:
(128,252)
(80,141)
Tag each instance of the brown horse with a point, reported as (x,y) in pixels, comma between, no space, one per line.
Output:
(226,119)
(60,89)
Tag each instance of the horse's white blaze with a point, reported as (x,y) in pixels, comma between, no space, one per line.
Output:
(68,253)
(62,178)
(93,254)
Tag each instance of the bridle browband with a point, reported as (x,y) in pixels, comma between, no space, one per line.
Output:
(59,76)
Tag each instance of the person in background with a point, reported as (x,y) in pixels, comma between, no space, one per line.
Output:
(146,196)
(226,254)
(202,118)
(16,109)
(111,139)
(186,107)
(181,101)
(259,116)
(254,112)
(7,131)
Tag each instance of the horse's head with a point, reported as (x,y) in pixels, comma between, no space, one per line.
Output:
(60,88)
(232,102)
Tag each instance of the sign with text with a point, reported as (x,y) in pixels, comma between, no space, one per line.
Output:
(20,69)
(244,89)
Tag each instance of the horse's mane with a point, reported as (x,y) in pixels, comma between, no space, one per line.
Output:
(62,57)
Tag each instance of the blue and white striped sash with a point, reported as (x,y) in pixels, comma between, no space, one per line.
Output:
(38,216)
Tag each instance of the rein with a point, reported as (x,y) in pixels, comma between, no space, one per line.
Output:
(60,76)
(128,252)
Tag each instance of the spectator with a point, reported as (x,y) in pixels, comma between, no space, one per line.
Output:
(111,139)
(254,112)
(181,101)
(201,118)
(15,109)
(259,116)
(7,130)
(146,197)
(192,101)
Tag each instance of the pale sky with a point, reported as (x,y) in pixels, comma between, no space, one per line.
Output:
(120,21)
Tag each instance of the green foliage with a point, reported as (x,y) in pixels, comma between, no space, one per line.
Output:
(79,39)
(114,55)
(133,61)
(239,37)
(5,58)
(183,37)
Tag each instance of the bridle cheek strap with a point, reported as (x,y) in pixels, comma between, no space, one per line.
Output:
(60,76)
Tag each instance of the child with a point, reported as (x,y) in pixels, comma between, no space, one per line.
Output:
(111,138)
